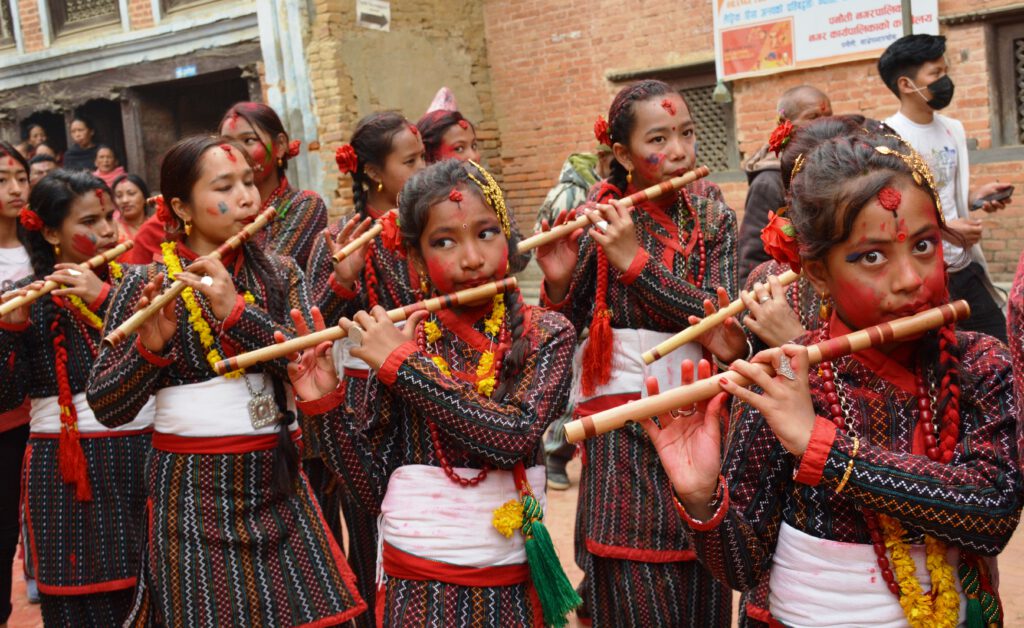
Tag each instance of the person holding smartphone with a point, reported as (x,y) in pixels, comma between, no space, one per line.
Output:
(914,68)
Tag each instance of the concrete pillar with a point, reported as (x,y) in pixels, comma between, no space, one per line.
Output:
(284,30)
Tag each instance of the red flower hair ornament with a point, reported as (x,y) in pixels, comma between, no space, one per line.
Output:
(346,159)
(391,235)
(30,220)
(293,148)
(601,131)
(779,238)
(163,211)
(780,136)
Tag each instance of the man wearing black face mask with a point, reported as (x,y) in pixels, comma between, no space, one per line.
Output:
(914,68)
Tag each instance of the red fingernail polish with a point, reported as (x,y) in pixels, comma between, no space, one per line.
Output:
(722,381)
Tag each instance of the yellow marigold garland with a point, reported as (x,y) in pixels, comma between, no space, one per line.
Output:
(90,317)
(485,371)
(116,272)
(508,517)
(939,608)
(195,313)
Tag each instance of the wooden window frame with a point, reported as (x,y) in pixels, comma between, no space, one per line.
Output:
(61,26)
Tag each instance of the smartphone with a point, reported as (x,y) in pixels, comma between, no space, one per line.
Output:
(1001,195)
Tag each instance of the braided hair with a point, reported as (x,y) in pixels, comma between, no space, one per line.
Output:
(622,120)
(837,179)
(179,172)
(372,141)
(431,186)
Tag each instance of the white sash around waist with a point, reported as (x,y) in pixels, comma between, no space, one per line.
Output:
(628,369)
(215,407)
(45,416)
(426,514)
(821,583)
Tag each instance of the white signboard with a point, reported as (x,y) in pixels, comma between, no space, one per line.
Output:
(374,14)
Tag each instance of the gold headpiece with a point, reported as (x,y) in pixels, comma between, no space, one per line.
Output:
(798,165)
(919,170)
(493,195)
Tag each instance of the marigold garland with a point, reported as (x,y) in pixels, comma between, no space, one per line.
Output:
(939,608)
(508,517)
(195,313)
(90,317)
(486,374)
(116,271)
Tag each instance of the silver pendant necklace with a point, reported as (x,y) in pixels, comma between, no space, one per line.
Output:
(263,410)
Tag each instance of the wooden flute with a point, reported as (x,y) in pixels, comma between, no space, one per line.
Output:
(135,321)
(579,222)
(359,242)
(692,332)
(330,334)
(48,287)
(684,396)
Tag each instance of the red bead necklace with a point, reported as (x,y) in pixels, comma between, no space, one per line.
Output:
(435,435)
(937,448)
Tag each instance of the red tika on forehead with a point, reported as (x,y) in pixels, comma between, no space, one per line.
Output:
(227,150)
(413,129)
(455,196)
(669,106)
(889,198)
(464,123)
(99,195)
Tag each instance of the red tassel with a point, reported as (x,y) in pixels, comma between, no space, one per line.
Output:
(70,457)
(597,355)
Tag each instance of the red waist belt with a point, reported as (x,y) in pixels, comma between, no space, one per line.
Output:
(400,564)
(172,443)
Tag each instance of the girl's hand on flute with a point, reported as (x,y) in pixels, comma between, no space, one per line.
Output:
(557,259)
(157,330)
(727,341)
(379,335)
(312,372)
(347,271)
(208,276)
(81,282)
(784,403)
(689,443)
(618,237)
(20,315)
(770,315)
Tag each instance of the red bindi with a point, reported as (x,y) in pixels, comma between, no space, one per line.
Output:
(227,150)
(669,106)
(889,198)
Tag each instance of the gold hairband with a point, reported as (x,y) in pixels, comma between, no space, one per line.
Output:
(919,170)
(493,195)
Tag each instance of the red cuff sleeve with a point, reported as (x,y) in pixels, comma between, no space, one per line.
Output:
(548,303)
(15,327)
(341,290)
(235,315)
(324,404)
(149,356)
(635,267)
(388,372)
(812,464)
(95,305)
(715,520)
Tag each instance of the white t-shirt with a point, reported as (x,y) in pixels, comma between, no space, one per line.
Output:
(14,265)
(936,144)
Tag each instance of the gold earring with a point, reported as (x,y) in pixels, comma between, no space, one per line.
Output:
(825,310)
(280,163)
(380,186)
(629,177)
(424,286)
(188,228)
(56,250)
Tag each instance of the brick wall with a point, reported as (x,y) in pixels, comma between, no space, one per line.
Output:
(355,71)
(31,32)
(140,14)
(549,60)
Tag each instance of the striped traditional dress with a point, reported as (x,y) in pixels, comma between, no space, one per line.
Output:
(225,548)
(388,277)
(972,503)
(84,552)
(1015,332)
(640,569)
(390,436)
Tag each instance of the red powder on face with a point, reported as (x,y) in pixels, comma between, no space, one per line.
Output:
(10,161)
(464,123)
(669,106)
(413,130)
(233,120)
(212,211)
(440,276)
(86,245)
(890,198)
(447,151)
(227,150)
(99,195)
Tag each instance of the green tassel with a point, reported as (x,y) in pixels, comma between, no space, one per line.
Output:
(557,596)
(975,619)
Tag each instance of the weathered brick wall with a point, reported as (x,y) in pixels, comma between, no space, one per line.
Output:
(549,60)
(355,71)
(140,14)
(31,31)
